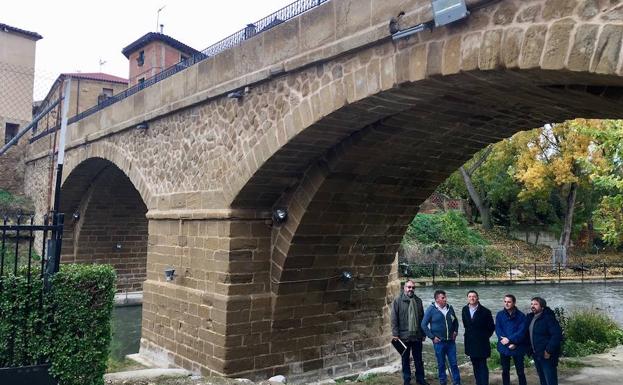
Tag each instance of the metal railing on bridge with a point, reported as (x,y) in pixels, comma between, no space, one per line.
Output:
(459,273)
(284,14)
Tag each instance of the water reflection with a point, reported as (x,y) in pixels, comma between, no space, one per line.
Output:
(126,331)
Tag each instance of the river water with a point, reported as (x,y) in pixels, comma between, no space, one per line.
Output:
(606,297)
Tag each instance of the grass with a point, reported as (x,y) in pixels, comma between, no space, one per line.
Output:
(122,365)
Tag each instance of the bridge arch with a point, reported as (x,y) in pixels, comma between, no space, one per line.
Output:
(105,220)
(110,152)
(372,135)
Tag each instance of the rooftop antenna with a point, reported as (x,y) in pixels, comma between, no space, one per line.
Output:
(102,62)
(161,28)
(158,17)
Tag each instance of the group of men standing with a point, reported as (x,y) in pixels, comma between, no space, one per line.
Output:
(537,334)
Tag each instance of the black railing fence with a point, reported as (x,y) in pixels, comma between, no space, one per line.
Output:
(522,272)
(25,249)
(286,13)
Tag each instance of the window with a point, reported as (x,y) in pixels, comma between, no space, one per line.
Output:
(183,57)
(10,132)
(107,91)
(140,60)
(141,80)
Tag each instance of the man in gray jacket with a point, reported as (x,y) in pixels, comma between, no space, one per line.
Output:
(407,313)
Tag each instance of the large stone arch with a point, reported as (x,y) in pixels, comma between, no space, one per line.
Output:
(105,221)
(360,150)
(551,44)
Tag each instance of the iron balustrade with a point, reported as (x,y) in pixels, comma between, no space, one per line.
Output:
(463,273)
(284,14)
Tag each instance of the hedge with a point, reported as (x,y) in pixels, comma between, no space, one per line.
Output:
(72,329)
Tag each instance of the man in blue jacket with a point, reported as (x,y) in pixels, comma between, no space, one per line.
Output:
(544,334)
(441,325)
(509,327)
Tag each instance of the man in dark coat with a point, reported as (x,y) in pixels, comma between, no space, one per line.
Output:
(509,327)
(479,327)
(544,334)
(407,314)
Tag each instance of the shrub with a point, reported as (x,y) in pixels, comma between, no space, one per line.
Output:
(447,236)
(10,203)
(589,332)
(72,329)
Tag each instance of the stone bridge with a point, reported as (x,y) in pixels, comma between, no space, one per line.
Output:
(343,127)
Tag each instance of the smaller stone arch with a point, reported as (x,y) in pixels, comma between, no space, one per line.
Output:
(105,221)
(108,151)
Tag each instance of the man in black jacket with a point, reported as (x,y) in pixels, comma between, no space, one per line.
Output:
(545,336)
(479,327)
(407,313)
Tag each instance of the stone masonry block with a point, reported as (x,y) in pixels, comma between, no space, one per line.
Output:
(608,50)
(490,56)
(470,51)
(557,9)
(532,47)
(557,45)
(451,56)
(511,47)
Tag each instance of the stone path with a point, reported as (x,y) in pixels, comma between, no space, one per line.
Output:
(598,369)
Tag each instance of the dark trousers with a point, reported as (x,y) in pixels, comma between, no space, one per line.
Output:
(481,370)
(506,369)
(414,348)
(547,370)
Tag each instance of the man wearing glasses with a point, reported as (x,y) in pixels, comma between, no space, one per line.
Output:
(407,314)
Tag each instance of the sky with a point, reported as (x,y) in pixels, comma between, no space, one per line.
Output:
(77,35)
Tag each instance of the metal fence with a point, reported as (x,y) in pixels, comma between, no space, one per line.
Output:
(26,253)
(286,13)
(465,273)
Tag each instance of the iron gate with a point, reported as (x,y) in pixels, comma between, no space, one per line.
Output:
(29,256)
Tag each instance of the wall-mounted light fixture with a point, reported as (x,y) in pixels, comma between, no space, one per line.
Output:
(169,274)
(346,276)
(118,246)
(280,215)
(142,125)
(238,94)
(76,216)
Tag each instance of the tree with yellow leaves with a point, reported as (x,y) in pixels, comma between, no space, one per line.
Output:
(554,159)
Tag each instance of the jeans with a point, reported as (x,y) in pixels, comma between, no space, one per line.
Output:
(445,349)
(481,370)
(506,369)
(414,348)
(547,370)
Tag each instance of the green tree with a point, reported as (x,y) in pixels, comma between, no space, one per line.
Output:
(606,173)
